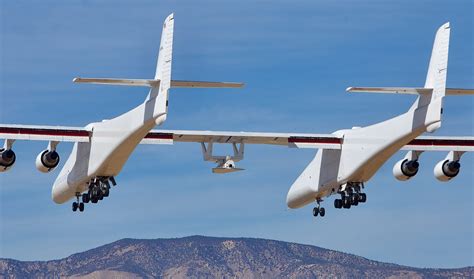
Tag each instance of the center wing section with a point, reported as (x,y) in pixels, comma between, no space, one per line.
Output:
(326,141)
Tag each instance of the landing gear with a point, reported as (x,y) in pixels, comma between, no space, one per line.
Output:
(85,198)
(318,210)
(322,211)
(99,188)
(351,195)
(78,205)
(346,203)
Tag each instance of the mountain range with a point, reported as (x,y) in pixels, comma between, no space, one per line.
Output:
(211,257)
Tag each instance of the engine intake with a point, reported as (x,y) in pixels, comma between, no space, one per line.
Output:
(7,159)
(47,160)
(446,170)
(405,169)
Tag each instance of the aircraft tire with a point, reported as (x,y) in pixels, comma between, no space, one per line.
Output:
(322,211)
(346,203)
(81,206)
(355,201)
(106,192)
(85,198)
(74,206)
(315,211)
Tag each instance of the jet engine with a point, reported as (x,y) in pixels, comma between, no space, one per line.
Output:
(445,170)
(405,169)
(7,159)
(47,160)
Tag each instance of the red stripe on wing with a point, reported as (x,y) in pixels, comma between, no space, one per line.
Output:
(44,132)
(321,140)
(441,142)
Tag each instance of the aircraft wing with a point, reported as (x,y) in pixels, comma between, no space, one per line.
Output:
(44,133)
(298,140)
(325,141)
(430,143)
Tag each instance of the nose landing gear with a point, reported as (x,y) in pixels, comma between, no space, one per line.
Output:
(77,205)
(318,210)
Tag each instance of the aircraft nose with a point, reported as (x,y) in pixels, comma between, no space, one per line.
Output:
(60,192)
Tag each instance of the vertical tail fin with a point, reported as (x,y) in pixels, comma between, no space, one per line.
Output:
(435,80)
(438,67)
(159,92)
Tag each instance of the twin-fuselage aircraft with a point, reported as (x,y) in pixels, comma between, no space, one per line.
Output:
(345,161)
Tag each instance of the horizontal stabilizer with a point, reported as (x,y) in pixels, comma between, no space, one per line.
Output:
(407,90)
(457,91)
(156,82)
(389,90)
(117,81)
(205,84)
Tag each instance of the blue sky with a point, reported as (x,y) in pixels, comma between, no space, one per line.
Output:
(296,58)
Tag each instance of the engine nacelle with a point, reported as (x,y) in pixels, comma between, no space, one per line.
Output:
(445,170)
(405,169)
(47,160)
(7,159)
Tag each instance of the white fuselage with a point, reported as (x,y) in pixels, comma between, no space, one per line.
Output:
(363,152)
(111,143)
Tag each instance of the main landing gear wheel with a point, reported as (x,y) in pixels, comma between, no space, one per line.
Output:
(85,198)
(338,203)
(362,198)
(355,199)
(346,203)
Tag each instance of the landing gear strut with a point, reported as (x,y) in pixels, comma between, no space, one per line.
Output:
(318,210)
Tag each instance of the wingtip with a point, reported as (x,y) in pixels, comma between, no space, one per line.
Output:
(76,79)
(349,89)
